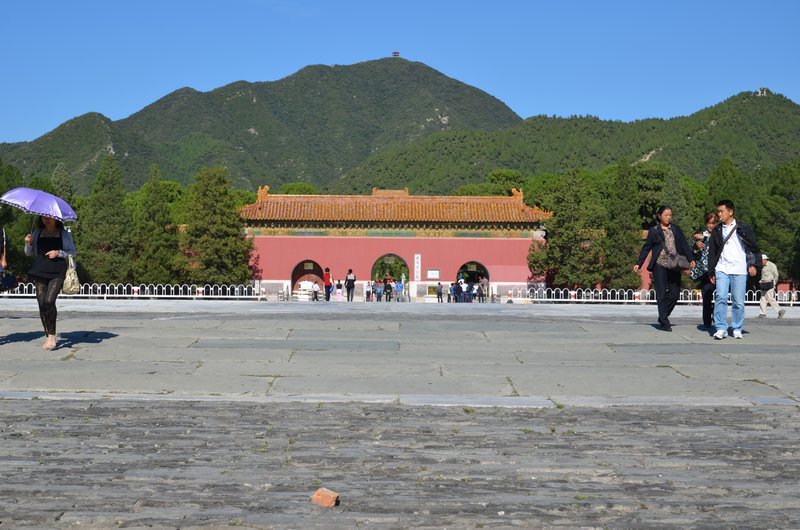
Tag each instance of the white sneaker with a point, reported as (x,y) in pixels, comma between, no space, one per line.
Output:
(737,333)
(720,334)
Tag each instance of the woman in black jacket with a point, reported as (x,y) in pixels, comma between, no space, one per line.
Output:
(664,239)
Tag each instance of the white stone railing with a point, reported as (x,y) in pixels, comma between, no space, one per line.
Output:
(164,291)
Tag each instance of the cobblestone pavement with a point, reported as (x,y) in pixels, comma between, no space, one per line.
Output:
(210,414)
(118,463)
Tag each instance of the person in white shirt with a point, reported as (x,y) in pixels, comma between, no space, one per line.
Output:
(732,256)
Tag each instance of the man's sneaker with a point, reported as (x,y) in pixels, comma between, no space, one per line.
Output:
(720,334)
(762,315)
(781,313)
(737,333)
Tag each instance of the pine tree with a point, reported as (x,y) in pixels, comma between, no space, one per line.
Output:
(623,233)
(214,242)
(62,184)
(155,235)
(727,182)
(572,254)
(103,234)
(15,223)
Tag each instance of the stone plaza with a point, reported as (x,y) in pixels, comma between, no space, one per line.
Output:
(202,413)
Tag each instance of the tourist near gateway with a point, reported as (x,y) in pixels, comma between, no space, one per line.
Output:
(436,238)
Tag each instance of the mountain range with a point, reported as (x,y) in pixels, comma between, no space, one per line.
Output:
(394,123)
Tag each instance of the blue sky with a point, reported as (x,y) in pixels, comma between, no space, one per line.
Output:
(621,60)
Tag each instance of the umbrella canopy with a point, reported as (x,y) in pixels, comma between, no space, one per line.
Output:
(39,202)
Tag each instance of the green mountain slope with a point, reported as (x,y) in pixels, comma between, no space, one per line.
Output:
(312,126)
(753,129)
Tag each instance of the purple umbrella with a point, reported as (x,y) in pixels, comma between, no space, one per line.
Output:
(39,202)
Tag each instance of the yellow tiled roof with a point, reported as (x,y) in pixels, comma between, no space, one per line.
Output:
(391,206)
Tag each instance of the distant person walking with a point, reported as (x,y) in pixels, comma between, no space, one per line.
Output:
(3,262)
(50,244)
(338,290)
(665,240)
(732,256)
(767,285)
(315,292)
(327,282)
(350,284)
(439,292)
(387,290)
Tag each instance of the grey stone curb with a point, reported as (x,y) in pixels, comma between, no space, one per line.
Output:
(529,402)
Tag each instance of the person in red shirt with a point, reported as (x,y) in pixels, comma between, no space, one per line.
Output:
(326,279)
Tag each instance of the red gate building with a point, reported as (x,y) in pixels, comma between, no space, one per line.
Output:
(439,238)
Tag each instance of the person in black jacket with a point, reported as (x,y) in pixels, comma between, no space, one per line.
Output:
(665,238)
(732,254)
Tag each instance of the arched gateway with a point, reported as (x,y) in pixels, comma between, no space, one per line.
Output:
(437,237)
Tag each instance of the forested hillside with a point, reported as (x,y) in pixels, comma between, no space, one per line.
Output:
(752,129)
(312,126)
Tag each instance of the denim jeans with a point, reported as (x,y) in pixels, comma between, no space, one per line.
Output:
(737,285)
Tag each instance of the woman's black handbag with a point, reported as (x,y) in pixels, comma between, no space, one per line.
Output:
(677,262)
(766,286)
(8,281)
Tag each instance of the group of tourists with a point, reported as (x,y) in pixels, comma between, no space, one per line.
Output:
(721,259)
(386,290)
(464,291)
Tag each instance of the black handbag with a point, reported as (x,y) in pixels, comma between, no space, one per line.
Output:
(677,262)
(766,286)
(8,281)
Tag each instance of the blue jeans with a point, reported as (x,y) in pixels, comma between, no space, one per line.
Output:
(737,285)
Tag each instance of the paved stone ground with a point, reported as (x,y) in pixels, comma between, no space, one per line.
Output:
(218,415)
(137,464)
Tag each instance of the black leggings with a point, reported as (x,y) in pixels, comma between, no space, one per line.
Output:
(46,293)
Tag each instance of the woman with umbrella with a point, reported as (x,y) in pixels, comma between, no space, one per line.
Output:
(50,244)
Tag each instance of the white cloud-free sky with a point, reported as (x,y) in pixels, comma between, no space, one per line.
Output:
(621,60)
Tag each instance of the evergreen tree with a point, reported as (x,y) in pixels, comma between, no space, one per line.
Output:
(62,184)
(572,254)
(14,221)
(504,180)
(104,235)
(727,182)
(214,241)
(777,219)
(650,179)
(623,233)
(155,234)
(480,189)
(40,182)
(299,188)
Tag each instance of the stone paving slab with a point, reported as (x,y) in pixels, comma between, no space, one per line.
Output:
(196,414)
(118,463)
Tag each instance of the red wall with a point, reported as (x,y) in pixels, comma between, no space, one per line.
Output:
(505,259)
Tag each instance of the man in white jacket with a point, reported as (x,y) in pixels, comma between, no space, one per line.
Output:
(768,284)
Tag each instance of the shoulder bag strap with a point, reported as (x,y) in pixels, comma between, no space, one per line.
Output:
(725,241)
